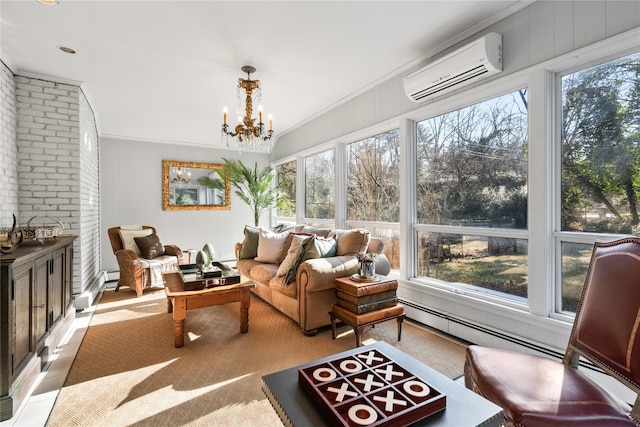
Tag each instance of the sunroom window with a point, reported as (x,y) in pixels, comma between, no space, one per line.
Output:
(319,173)
(471,197)
(600,165)
(373,193)
(286,179)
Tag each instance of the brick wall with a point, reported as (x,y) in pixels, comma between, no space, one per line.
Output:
(8,149)
(57,156)
(89,194)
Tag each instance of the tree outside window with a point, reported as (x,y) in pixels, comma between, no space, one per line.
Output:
(600,182)
(373,193)
(320,185)
(472,179)
(286,176)
(373,176)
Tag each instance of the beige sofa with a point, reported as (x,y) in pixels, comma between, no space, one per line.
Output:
(308,297)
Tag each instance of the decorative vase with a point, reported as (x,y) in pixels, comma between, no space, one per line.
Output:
(201,259)
(367,269)
(210,253)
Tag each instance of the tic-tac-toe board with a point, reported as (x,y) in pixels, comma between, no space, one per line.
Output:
(369,389)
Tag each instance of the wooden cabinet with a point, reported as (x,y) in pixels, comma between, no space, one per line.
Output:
(36,285)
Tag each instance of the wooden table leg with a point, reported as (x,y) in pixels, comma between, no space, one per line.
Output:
(245,302)
(400,319)
(178,333)
(358,332)
(333,325)
(169,305)
(179,314)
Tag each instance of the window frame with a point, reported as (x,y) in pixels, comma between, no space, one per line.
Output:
(492,90)
(593,56)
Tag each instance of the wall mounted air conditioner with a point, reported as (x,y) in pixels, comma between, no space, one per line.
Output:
(479,59)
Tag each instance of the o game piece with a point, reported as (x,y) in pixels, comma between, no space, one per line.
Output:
(356,418)
(351,366)
(324,374)
(422,391)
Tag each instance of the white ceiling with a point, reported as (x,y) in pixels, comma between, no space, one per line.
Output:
(163,70)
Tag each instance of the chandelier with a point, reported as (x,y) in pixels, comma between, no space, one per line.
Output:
(247,133)
(180,179)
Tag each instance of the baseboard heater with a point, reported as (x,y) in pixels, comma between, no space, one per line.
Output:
(555,354)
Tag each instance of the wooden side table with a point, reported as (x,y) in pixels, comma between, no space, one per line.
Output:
(359,321)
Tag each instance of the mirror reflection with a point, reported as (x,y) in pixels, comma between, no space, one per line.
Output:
(194,186)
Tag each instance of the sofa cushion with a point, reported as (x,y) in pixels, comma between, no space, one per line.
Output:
(293,253)
(278,284)
(272,246)
(150,246)
(244,266)
(322,232)
(250,243)
(263,273)
(351,242)
(128,236)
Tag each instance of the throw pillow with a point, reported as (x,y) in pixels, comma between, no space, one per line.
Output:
(250,244)
(313,247)
(150,246)
(270,246)
(351,242)
(321,248)
(292,254)
(127,237)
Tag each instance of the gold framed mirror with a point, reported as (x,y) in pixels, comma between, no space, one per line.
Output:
(194,186)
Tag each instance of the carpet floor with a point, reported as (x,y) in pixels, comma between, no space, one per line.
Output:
(128,373)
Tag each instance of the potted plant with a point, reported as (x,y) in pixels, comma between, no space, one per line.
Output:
(367,264)
(254,187)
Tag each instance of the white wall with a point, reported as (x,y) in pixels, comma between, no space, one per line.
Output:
(131,193)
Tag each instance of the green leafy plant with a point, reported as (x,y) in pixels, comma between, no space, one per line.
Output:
(254,187)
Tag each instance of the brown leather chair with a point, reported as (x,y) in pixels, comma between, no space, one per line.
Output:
(538,391)
(137,272)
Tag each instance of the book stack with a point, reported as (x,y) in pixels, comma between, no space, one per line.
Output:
(360,298)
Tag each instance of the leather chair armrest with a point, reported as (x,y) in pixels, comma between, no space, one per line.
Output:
(319,274)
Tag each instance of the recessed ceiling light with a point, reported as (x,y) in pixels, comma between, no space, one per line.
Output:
(49,2)
(67,49)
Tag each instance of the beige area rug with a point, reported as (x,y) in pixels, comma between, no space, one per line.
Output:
(128,373)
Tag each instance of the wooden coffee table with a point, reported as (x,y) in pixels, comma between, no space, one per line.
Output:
(179,301)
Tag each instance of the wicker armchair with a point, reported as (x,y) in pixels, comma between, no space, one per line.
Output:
(139,273)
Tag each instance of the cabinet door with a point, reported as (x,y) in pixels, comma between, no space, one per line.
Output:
(56,287)
(68,278)
(40,287)
(21,314)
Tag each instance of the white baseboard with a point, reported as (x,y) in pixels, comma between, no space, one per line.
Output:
(86,298)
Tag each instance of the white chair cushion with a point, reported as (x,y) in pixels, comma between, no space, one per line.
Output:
(128,235)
